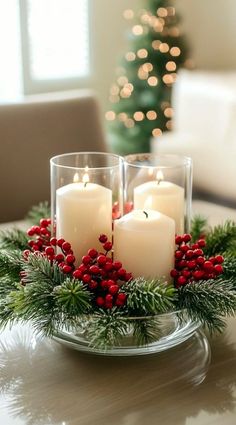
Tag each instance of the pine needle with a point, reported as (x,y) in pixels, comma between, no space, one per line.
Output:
(198,227)
(208,301)
(13,239)
(221,238)
(149,297)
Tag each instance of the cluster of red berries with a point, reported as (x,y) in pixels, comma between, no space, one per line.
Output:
(191,264)
(103,276)
(48,246)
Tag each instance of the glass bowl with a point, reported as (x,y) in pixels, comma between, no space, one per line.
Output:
(164,330)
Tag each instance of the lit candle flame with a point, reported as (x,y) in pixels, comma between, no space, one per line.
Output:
(86,176)
(159,176)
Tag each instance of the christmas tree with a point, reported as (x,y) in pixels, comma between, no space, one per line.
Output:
(140,98)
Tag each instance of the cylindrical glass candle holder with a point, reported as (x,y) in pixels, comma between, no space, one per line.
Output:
(162,183)
(86,195)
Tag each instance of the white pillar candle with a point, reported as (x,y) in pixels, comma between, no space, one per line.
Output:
(162,196)
(144,242)
(83,212)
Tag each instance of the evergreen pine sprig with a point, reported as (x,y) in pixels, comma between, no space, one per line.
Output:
(39,269)
(10,264)
(208,301)
(73,298)
(13,239)
(221,238)
(42,210)
(199,227)
(147,330)
(107,328)
(148,297)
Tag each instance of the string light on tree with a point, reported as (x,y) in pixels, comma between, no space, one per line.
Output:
(141,94)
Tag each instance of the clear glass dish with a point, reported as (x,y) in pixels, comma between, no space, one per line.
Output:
(168,330)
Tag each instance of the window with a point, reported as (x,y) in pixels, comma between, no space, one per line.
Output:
(53,51)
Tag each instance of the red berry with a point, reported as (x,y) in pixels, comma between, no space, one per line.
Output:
(191,264)
(189,253)
(178,239)
(174,273)
(198,274)
(184,248)
(86,259)
(59,258)
(186,273)
(113,289)
(110,282)
(121,273)
(187,237)
(82,268)
(30,232)
(200,260)
(49,250)
(31,242)
(218,269)
(66,246)
(43,222)
(86,278)
(219,259)
(92,253)
(109,259)
(93,285)
(109,298)
(201,243)
(178,255)
(26,253)
(128,276)
(102,259)
(102,238)
(181,264)
(53,241)
(212,260)
(94,269)
(104,284)
(108,305)
(197,252)
(44,231)
(60,242)
(66,269)
(108,267)
(117,265)
(70,259)
(208,266)
(35,247)
(107,246)
(100,301)
(37,230)
(121,297)
(77,274)
(181,280)
(195,246)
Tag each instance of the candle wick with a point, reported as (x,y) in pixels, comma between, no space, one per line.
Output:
(85,184)
(146,214)
(159,181)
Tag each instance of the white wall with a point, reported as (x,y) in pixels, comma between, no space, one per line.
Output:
(210,26)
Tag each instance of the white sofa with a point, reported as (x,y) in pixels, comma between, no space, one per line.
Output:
(205,129)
